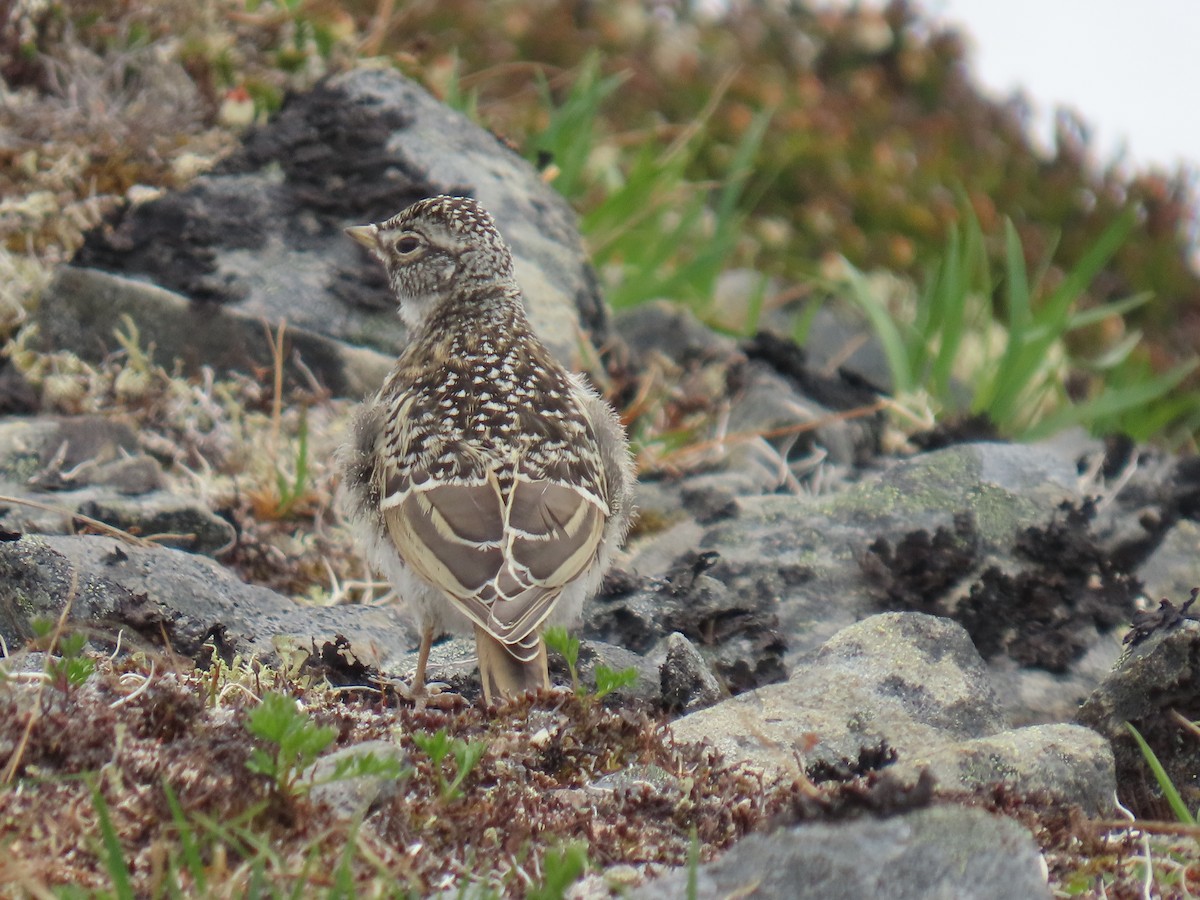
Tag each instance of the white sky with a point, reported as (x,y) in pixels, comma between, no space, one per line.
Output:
(1131,70)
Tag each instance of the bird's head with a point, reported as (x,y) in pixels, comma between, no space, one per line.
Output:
(437,247)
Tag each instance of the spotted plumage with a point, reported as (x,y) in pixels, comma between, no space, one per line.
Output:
(487,482)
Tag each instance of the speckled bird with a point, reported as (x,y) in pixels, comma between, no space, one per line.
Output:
(489,484)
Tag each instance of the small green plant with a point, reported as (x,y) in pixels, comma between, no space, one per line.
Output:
(660,235)
(312,35)
(609,680)
(1019,380)
(923,353)
(70,668)
(359,765)
(297,740)
(294,490)
(437,747)
(560,640)
(561,868)
(1170,792)
(205,842)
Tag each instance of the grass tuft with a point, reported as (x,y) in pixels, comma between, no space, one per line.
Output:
(958,349)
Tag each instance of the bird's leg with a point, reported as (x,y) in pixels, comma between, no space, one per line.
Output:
(418,683)
(419,692)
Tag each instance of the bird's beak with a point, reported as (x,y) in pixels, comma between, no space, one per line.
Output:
(367,235)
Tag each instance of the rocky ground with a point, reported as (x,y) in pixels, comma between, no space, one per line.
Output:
(861,672)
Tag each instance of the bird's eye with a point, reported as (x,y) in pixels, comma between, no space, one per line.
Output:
(407,244)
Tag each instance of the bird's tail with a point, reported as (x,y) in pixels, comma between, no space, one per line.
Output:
(506,675)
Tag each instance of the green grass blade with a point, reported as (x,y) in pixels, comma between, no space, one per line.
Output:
(466,102)
(1097,257)
(257,886)
(114,854)
(1054,317)
(1085,317)
(570,135)
(561,868)
(754,308)
(1032,335)
(802,323)
(693,864)
(1166,421)
(1113,402)
(302,887)
(1017,287)
(887,329)
(189,848)
(171,880)
(742,165)
(946,310)
(1178,807)
(1116,355)
(301,480)
(343,876)
(1019,362)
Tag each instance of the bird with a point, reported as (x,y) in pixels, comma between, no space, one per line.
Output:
(489,484)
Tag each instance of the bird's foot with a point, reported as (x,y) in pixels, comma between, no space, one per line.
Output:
(436,694)
(432,694)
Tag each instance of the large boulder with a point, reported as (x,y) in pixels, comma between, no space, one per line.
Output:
(259,240)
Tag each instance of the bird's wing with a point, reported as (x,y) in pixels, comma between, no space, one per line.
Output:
(503,555)
(453,535)
(553,534)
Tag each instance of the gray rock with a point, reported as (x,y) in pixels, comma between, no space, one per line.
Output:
(56,469)
(593,654)
(1144,491)
(149,591)
(792,424)
(1157,678)
(1070,762)
(781,425)
(943,853)
(916,684)
(451,661)
(659,780)
(738,630)
(687,682)
(1004,487)
(911,680)
(355,797)
(1173,569)
(80,304)
(836,337)
(667,330)
(808,560)
(183,521)
(1034,696)
(820,436)
(261,238)
(189,523)
(60,451)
